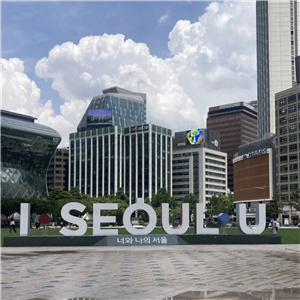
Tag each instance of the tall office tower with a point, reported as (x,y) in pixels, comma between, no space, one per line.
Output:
(288,145)
(58,170)
(277,27)
(237,124)
(137,158)
(199,167)
(116,107)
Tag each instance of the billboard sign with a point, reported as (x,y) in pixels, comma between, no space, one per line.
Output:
(196,136)
(96,117)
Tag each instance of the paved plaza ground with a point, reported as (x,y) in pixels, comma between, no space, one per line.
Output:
(151,272)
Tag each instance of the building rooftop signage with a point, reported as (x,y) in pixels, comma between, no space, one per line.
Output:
(235,105)
(229,105)
(139,128)
(251,154)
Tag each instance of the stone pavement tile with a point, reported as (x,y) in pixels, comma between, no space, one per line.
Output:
(145,272)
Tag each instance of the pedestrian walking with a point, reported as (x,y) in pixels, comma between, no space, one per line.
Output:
(274,226)
(37,224)
(12,224)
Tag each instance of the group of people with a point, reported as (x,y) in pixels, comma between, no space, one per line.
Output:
(12,224)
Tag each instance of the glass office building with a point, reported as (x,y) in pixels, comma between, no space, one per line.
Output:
(116,107)
(137,158)
(288,149)
(237,124)
(26,150)
(278,43)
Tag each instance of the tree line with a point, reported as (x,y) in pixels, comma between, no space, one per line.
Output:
(58,198)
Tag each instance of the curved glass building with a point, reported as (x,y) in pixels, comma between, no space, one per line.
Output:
(26,151)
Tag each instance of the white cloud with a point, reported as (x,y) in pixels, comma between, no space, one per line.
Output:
(163,19)
(81,71)
(212,62)
(20,94)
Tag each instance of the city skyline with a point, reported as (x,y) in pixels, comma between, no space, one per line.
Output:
(57,56)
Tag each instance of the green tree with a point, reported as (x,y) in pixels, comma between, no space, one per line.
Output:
(11,205)
(192,200)
(295,199)
(75,193)
(163,196)
(142,214)
(122,206)
(220,204)
(58,194)
(274,207)
(120,194)
(39,207)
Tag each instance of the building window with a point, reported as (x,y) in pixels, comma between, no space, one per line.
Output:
(180,161)
(214,155)
(282,111)
(282,120)
(283,139)
(183,186)
(283,168)
(292,108)
(180,173)
(214,174)
(292,118)
(214,168)
(292,98)
(294,186)
(284,187)
(186,154)
(283,149)
(215,162)
(294,176)
(293,156)
(283,158)
(293,147)
(282,130)
(282,101)
(180,167)
(292,127)
(293,167)
(284,177)
(181,180)
(292,137)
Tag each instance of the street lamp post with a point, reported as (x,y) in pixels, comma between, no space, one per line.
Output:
(262,188)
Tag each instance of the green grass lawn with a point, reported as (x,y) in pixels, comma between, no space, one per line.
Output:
(288,235)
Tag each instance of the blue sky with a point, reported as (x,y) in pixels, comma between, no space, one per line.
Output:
(195,55)
(31,29)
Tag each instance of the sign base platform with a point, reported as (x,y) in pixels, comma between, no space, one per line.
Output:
(138,240)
